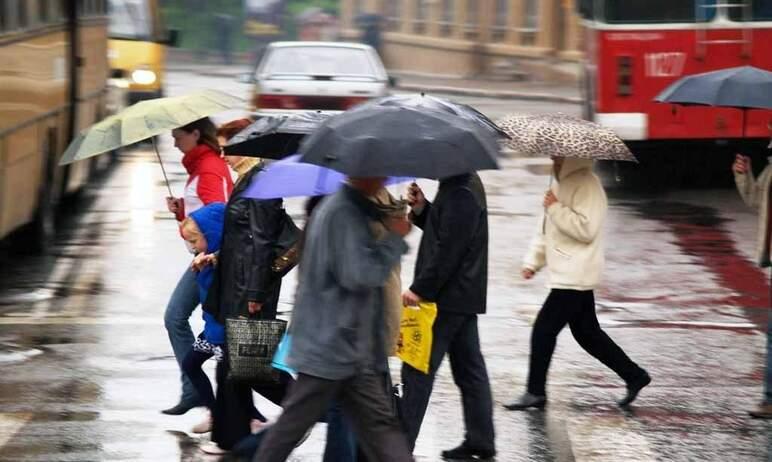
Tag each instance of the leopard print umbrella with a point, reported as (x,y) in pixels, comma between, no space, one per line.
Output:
(561,135)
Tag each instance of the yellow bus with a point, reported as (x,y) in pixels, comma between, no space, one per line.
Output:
(53,83)
(137,50)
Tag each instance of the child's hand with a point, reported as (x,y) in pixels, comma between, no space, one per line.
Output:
(202,260)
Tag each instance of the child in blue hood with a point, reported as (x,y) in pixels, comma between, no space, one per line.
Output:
(203,230)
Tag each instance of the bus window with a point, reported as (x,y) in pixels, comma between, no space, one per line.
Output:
(761,10)
(129,20)
(21,18)
(658,11)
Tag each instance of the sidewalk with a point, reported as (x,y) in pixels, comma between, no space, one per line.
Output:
(532,90)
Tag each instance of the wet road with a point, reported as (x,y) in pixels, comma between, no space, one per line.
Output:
(86,363)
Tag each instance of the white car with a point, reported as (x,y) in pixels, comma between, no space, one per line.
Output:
(327,76)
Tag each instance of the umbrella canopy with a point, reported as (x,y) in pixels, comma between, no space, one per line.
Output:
(144,120)
(291,178)
(379,140)
(561,135)
(275,137)
(424,102)
(744,87)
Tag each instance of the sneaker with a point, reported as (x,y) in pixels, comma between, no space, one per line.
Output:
(205,426)
(763,411)
(527,401)
(465,453)
(213,449)
(634,388)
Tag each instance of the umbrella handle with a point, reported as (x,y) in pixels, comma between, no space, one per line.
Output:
(160,162)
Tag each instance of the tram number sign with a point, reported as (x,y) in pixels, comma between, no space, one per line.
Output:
(670,64)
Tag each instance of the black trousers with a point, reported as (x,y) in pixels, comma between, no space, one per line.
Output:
(234,407)
(456,335)
(365,403)
(577,309)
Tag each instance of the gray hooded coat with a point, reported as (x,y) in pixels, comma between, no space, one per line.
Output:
(337,324)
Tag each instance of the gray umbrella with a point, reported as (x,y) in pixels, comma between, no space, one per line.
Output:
(401,141)
(744,87)
(560,135)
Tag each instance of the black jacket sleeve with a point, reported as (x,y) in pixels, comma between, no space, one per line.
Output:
(458,222)
(265,223)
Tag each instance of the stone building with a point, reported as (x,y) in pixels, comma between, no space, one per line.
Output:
(471,37)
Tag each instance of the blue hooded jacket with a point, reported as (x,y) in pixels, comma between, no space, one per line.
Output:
(210,221)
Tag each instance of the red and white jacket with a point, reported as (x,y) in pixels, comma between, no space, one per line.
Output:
(209,180)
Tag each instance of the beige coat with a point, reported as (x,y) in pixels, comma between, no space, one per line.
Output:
(570,243)
(392,289)
(755,193)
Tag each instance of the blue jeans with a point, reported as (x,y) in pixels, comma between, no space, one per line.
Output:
(183,301)
(341,443)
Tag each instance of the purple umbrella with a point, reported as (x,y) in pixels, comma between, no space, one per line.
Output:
(291,178)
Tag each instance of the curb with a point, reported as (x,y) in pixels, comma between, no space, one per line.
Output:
(442,89)
(528,96)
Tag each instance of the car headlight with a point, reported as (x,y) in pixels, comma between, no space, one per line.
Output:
(143,76)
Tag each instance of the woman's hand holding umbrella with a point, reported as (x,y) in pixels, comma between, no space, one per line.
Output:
(742,164)
(549,199)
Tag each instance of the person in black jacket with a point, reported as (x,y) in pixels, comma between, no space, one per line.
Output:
(244,284)
(452,271)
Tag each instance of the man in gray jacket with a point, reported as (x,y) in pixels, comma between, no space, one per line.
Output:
(338,346)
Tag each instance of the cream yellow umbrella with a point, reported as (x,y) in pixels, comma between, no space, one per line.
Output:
(147,119)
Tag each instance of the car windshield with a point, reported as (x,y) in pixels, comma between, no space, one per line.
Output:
(130,19)
(323,61)
(658,11)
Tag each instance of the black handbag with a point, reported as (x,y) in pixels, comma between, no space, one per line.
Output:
(252,343)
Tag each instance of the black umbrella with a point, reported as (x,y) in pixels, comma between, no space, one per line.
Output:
(275,137)
(383,140)
(744,87)
(423,101)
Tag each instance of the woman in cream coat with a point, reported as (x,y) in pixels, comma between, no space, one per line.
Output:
(570,243)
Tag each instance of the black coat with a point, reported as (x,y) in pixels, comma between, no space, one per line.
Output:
(452,264)
(250,232)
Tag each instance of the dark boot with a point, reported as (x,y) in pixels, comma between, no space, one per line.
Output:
(527,401)
(633,388)
(465,453)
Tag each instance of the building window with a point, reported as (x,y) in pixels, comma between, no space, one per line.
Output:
(448,16)
(23,16)
(358,7)
(472,20)
(393,14)
(419,24)
(500,20)
(530,24)
(3,16)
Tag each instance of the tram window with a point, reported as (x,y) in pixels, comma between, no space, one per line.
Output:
(659,11)
(760,10)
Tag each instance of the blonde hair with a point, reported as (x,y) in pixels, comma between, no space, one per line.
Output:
(190,227)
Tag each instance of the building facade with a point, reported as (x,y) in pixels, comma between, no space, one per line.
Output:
(469,37)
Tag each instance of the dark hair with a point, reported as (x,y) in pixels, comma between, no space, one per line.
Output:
(230,129)
(207,130)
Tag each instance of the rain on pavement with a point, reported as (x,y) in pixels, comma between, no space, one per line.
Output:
(86,364)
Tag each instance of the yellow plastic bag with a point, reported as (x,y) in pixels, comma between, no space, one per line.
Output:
(415,335)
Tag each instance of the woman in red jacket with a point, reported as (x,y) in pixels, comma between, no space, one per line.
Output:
(209,181)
